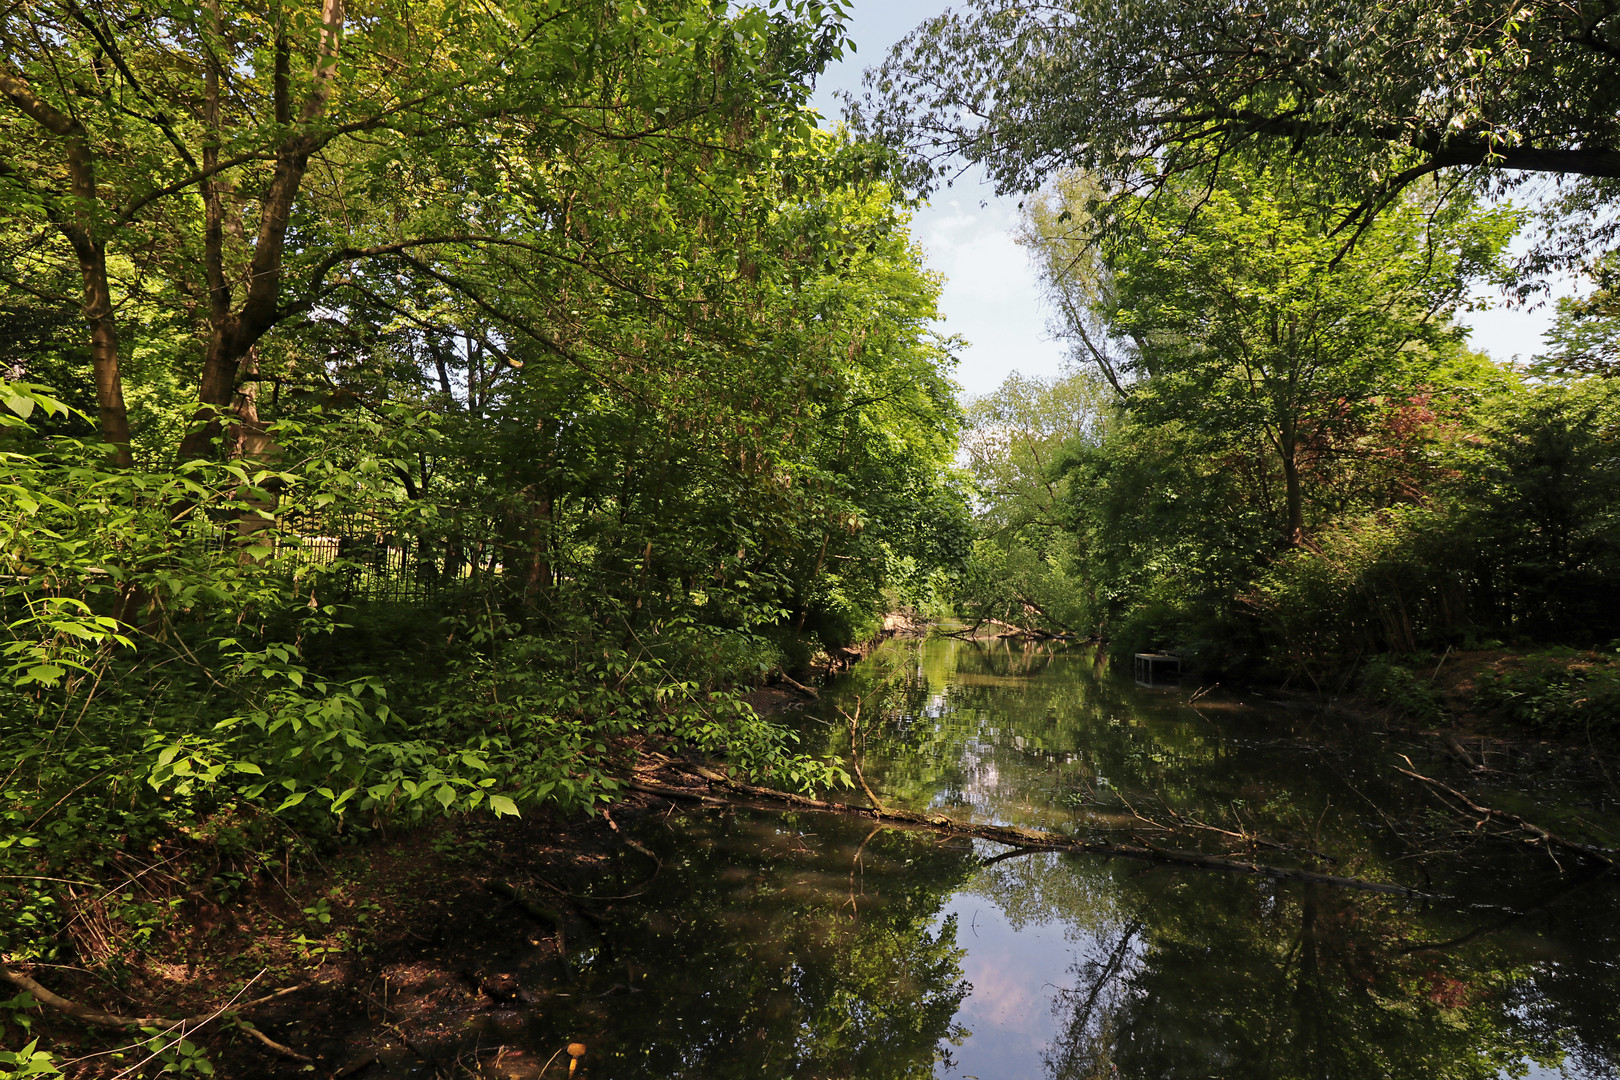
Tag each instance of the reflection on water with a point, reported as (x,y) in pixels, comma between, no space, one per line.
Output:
(808,946)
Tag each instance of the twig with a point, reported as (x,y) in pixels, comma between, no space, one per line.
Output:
(1547,839)
(855,755)
(1442,662)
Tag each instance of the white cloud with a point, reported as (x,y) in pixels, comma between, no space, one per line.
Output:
(992,293)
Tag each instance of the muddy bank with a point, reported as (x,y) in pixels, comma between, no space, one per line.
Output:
(395,955)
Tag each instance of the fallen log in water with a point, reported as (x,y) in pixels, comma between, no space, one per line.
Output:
(1022,838)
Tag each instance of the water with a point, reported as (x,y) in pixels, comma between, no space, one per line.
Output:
(815,946)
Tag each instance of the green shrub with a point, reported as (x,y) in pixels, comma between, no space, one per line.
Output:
(1557,692)
(1391,580)
(1398,689)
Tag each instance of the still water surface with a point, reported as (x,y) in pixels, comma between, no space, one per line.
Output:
(812,946)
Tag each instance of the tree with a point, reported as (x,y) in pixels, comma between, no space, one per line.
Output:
(1250,324)
(1021,568)
(1371,94)
(243,160)
(1586,335)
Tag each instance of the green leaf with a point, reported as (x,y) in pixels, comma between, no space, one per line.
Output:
(43,674)
(22,406)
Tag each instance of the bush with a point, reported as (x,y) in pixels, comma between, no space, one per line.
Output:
(1396,688)
(1558,692)
(1390,581)
(158,681)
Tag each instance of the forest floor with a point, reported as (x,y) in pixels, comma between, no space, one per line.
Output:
(403,948)
(394,946)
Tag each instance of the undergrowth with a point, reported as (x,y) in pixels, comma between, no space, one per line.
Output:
(185,720)
(1556,692)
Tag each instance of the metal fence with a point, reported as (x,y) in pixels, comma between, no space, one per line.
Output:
(356,559)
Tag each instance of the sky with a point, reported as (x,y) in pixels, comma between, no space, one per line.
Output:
(992,293)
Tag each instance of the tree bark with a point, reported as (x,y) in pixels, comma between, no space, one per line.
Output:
(111,414)
(231,335)
(78,226)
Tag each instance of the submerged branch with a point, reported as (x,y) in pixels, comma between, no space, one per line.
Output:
(807,691)
(1534,833)
(1031,840)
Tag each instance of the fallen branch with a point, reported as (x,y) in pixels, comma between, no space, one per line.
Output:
(629,841)
(106,1019)
(666,791)
(1040,840)
(184,1025)
(799,686)
(1549,840)
(537,912)
(1014,630)
(284,1051)
(73,1009)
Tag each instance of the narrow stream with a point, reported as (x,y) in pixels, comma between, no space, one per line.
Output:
(803,945)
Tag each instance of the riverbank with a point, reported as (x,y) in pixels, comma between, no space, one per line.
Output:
(253,948)
(390,952)
(1497,697)
(401,948)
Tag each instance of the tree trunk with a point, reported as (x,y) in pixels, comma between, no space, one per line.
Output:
(1288,449)
(231,335)
(537,581)
(111,413)
(254,443)
(79,227)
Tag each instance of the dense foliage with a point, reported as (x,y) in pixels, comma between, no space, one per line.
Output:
(1287,459)
(1257,224)
(1368,97)
(411,410)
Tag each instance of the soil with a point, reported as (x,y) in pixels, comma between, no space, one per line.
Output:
(430,933)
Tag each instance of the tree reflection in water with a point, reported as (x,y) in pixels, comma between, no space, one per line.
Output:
(803,946)
(1183,974)
(775,946)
